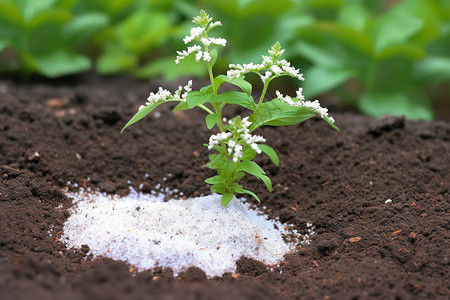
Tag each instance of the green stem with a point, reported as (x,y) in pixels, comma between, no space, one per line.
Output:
(205,108)
(261,99)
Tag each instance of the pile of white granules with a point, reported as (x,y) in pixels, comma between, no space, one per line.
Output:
(147,232)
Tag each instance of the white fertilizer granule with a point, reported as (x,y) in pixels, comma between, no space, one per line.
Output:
(147,232)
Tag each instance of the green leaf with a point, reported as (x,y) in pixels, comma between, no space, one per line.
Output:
(181,106)
(248,153)
(241,99)
(353,15)
(143,30)
(30,8)
(206,90)
(216,160)
(255,170)
(432,70)
(323,79)
(226,198)
(270,153)
(196,98)
(219,188)
(211,120)
(240,82)
(414,106)
(62,63)
(251,194)
(114,61)
(226,168)
(141,114)
(84,26)
(215,180)
(213,57)
(277,113)
(395,27)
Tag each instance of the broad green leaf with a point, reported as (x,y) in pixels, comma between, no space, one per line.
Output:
(215,179)
(216,160)
(226,198)
(206,90)
(319,54)
(196,98)
(323,79)
(248,153)
(239,98)
(238,176)
(353,15)
(181,106)
(54,17)
(414,106)
(277,113)
(10,14)
(240,82)
(211,120)
(84,26)
(251,194)
(227,168)
(62,63)
(432,70)
(219,188)
(406,50)
(31,8)
(395,27)
(143,31)
(270,153)
(252,168)
(114,61)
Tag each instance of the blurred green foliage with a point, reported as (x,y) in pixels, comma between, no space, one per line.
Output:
(377,55)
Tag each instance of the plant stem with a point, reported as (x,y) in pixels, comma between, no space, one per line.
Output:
(216,106)
(261,99)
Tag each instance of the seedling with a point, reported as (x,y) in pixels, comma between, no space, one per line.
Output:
(235,146)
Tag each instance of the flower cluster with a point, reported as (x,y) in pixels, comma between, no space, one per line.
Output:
(300,101)
(270,64)
(200,34)
(236,138)
(164,95)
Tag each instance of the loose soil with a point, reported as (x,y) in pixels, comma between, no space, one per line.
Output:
(69,131)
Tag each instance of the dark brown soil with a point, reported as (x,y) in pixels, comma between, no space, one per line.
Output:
(364,248)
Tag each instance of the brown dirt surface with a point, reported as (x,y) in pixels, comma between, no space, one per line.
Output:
(364,248)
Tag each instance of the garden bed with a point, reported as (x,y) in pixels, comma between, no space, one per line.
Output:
(377,194)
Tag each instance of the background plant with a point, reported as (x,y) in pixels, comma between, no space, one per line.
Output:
(379,56)
(235,145)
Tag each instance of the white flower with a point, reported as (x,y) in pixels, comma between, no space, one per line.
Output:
(266,76)
(300,94)
(217,138)
(301,102)
(183,54)
(277,67)
(215,24)
(164,95)
(237,137)
(198,56)
(218,41)
(195,33)
(206,56)
(237,153)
